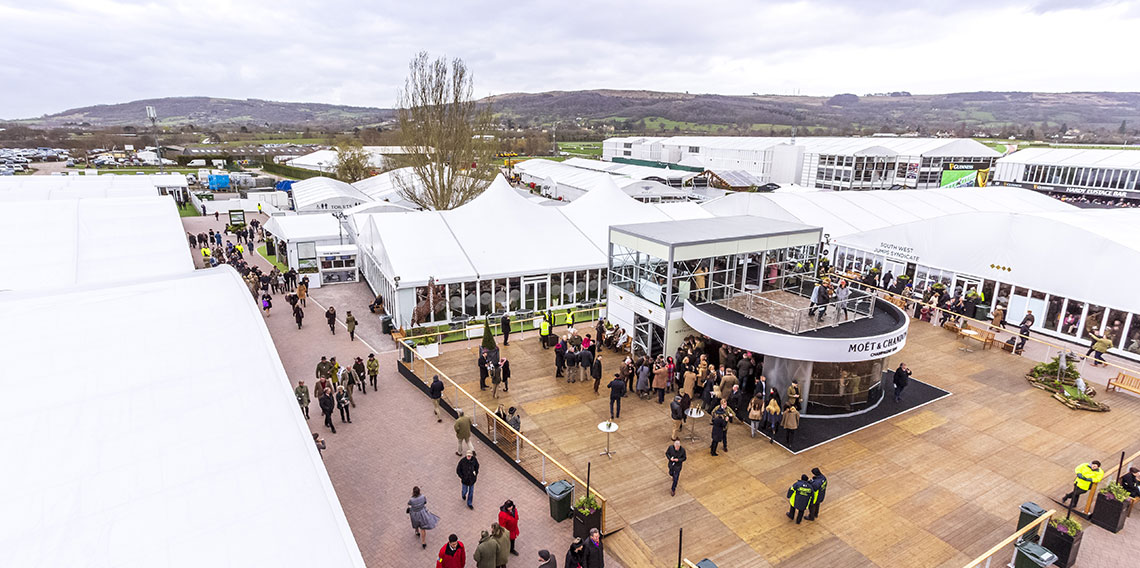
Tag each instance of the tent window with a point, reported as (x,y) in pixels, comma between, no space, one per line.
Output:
(307,257)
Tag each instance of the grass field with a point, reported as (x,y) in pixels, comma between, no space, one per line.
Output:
(235,143)
(189,211)
(581,149)
(272,259)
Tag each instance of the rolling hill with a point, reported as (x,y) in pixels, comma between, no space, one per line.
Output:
(671,113)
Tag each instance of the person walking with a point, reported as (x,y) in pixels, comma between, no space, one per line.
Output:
(350,323)
(559,359)
(452,554)
(585,363)
(496,378)
(503,539)
(678,415)
(596,372)
(463,433)
(595,553)
(575,555)
(487,552)
(302,293)
(298,314)
(1087,474)
(772,418)
(359,370)
(330,317)
(544,333)
(756,413)
(794,393)
(422,519)
(266,303)
(509,520)
(320,443)
(791,423)
(327,404)
(719,433)
(373,367)
(483,365)
(505,325)
(819,485)
(302,393)
(1101,344)
(468,471)
(675,455)
(799,496)
(342,404)
(660,380)
(902,377)
(436,395)
(617,390)
(348,380)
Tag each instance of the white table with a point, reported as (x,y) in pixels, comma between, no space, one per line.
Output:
(970,333)
(695,414)
(609,428)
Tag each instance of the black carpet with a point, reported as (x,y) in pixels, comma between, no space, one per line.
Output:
(816,431)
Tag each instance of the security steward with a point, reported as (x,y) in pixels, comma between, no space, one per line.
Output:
(544,332)
(819,485)
(799,496)
(1087,474)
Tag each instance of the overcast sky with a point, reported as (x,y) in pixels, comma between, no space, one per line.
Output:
(60,54)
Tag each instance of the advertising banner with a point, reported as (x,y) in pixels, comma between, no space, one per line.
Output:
(964,175)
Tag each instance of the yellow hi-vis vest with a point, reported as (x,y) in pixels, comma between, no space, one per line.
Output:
(569,319)
(544,327)
(1086,476)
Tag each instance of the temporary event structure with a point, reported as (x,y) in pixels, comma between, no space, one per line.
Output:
(300,235)
(150,457)
(1015,246)
(499,252)
(90,241)
(322,194)
(22,188)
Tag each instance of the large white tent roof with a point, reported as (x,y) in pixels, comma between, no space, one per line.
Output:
(948,147)
(312,193)
(634,171)
(386,187)
(502,233)
(845,212)
(150,458)
(21,188)
(90,241)
(1077,157)
(1032,245)
(303,227)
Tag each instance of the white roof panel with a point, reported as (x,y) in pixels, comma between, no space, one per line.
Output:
(303,227)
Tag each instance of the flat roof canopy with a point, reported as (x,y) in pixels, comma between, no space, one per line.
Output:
(701,238)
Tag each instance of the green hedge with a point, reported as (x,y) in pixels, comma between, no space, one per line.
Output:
(289,171)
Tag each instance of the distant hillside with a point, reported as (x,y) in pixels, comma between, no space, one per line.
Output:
(1103,116)
(212,112)
(648,111)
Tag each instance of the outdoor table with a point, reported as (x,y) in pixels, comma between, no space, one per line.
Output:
(609,428)
(695,414)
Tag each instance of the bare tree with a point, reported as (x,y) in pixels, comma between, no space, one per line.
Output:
(445,135)
(352,162)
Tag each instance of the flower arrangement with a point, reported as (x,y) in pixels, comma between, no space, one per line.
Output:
(1115,491)
(586,504)
(1068,526)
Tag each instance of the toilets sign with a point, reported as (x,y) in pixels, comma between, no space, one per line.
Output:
(877,348)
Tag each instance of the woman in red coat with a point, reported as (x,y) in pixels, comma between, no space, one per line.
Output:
(509,519)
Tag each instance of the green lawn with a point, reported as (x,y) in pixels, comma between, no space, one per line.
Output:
(189,210)
(233,143)
(582,149)
(272,259)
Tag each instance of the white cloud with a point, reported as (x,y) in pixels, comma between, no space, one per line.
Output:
(71,53)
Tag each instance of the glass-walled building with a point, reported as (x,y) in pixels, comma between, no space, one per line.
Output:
(1073,173)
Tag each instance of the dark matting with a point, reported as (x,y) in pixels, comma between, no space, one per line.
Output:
(817,431)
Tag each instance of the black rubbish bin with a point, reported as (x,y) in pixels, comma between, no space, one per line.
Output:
(560,493)
(1032,555)
(982,312)
(386,324)
(1030,511)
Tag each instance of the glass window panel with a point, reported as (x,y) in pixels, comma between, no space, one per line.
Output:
(1133,344)
(1114,326)
(1053,313)
(1093,321)
(1071,324)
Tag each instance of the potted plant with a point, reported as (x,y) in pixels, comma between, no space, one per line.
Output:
(1111,509)
(1063,538)
(427,346)
(587,515)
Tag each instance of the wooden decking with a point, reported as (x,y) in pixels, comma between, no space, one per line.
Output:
(933,487)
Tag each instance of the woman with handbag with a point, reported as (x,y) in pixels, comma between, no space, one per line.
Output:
(756,413)
(342,404)
(422,519)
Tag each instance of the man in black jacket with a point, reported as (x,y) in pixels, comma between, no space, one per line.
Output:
(571,360)
(819,485)
(328,404)
(799,496)
(596,372)
(468,471)
(678,415)
(902,377)
(676,456)
(436,395)
(617,390)
(719,433)
(559,358)
(585,362)
(483,372)
(505,325)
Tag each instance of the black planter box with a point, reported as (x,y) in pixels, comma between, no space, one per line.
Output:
(1109,514)
(583,523)
(1064,545)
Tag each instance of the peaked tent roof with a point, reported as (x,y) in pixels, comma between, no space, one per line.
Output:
(88,243)
(132,466)
(300,227)
(309,193)
(37,188)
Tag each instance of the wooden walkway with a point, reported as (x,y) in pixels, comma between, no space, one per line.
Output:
(933,487)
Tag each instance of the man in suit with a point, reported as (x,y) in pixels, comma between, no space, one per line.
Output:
(902,377)
(585,363)
(617,390)
(505,324)
(675,454)
(719,433)
(596,372)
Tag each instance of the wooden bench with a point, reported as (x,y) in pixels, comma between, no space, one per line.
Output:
(1126,382)
(498,432)
(985,336)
